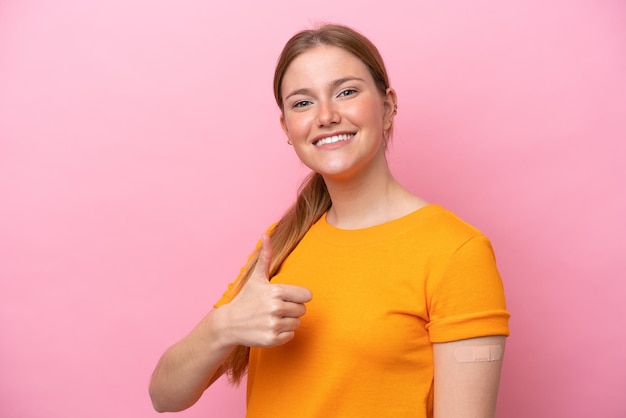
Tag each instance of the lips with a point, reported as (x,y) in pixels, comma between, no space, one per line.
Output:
(333,139)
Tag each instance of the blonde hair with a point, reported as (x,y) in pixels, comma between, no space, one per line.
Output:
(313,199)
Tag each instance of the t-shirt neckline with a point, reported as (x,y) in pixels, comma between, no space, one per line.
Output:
(375,233)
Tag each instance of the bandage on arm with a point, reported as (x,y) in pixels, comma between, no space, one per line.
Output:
(467,375)
(478,353)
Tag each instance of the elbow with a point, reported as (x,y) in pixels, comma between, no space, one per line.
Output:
(160,406)
(159,401)
(163,402)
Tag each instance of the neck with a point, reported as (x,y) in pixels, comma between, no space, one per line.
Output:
(371,198)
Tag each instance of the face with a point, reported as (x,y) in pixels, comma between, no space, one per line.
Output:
(333,114)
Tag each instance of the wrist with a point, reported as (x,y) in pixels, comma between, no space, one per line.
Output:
(220,330)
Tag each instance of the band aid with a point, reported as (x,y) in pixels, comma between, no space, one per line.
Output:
(478,353)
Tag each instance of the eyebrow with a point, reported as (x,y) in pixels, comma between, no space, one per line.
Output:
(333,85)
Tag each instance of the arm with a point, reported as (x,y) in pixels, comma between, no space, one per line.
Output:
(190,366)
(261,315)
(466,380)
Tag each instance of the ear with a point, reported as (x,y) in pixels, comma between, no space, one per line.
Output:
(390,106)
(283,124)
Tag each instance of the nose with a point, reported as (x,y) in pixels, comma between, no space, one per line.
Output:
(327,114)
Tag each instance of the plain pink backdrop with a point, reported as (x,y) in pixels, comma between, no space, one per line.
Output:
(141,158)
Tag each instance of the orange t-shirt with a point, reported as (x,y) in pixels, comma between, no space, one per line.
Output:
(381,297)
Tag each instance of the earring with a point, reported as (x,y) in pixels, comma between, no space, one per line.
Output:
(289,142)
(395,109)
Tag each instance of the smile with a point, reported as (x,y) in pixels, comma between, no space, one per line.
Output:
(333,139)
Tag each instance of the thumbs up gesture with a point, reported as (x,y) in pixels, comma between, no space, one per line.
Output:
(264,314)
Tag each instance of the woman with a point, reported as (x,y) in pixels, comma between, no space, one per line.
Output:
(379,304)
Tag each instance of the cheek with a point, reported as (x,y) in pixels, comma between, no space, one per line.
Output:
(368,113)
(296,126)
(300,149)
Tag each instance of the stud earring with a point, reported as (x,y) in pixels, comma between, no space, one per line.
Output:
(289,142)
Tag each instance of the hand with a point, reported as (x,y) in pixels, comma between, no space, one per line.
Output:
(265,314)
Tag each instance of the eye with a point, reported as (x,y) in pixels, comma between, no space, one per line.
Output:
(301,103)
(347,92)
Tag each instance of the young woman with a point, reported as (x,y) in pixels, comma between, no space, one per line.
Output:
(363,300)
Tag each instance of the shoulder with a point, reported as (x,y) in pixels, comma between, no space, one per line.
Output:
(442,228)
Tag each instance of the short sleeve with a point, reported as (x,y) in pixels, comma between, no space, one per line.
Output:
(468,301)
(233,288)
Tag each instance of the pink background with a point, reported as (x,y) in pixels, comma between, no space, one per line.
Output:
(141,158)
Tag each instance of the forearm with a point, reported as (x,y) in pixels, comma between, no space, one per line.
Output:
(188,367)
(261,315)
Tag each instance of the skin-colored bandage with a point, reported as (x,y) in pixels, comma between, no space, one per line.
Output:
(478,353)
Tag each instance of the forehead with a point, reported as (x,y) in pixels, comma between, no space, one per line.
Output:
(321,65)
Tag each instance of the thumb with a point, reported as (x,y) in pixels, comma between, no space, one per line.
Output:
(262,267)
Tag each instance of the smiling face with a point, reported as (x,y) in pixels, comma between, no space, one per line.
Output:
(333,113)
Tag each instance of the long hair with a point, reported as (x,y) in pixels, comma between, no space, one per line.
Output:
(313,199)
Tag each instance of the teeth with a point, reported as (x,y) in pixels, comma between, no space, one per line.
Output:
(333,139)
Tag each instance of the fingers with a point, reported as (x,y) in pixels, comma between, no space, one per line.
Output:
(287,325)
(262,268)
(280,339)
(288,293)
(292,293)
(266,314)
(281,331)
(288,310)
